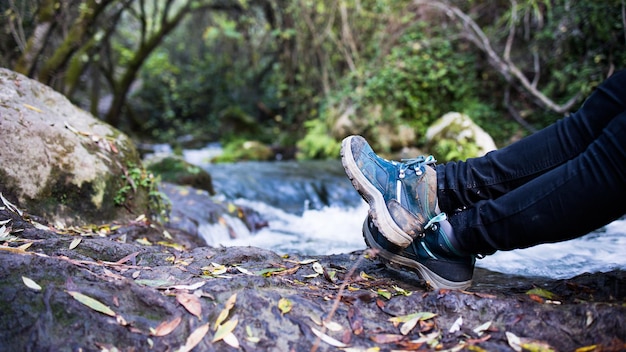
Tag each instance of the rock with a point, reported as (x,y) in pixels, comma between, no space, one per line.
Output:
(457,137)
(195,212)
(60,162)
(245,150)
(156,296)
(174,169)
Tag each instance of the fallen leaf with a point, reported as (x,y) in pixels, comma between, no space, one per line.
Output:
(31,284)
(384,293)
(428,339)
(231,340)
(479,330)
(329,340)
(365,276)
(244,271)
(514,341)
(191,287)
(408,326)
(194,338)
(251,338)
(25,246)
(92,303)
(457,325)
(224,329)
(317,267)
(386,338)
(333,326)
(402,291)
(355,320)
(10,205)
(541,293)
(75,242)
(191,303)
(31,107)
(284,305)
(156,283)
(536,298)
(270,271)
(230,303)
(405,318)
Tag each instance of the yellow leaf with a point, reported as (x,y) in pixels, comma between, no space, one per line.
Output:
(408,317)
(143,241)
(365,276)
(31,284)
(194,338)
(541,293)
(284,305)
(32,107)
(225,329)
(75,242)
(224,313)
(384,293)
(92,303)
(25,246)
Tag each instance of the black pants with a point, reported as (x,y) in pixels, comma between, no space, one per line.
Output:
(559,183)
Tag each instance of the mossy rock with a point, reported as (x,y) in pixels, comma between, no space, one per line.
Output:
(245,150)
(63,164)
(176,170)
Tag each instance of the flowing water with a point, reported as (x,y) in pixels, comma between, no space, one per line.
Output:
(312,209)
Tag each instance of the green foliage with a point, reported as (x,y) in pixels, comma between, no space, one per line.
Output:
(240,149)
(136,177)
(317,144)
(263,70)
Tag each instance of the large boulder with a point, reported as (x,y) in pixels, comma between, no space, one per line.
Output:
(454,136)
(63,164)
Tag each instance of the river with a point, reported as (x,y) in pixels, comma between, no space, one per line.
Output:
(312,209)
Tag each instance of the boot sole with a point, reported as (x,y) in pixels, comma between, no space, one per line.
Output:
(378,206)
(432,280)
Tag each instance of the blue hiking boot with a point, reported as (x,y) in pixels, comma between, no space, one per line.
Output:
(432,257)
(402,195)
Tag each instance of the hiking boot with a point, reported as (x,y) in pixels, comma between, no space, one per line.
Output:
(432,257)
(402,195)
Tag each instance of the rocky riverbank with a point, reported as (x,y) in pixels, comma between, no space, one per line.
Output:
(137,287)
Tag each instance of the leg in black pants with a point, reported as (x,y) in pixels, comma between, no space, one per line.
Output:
(559,183)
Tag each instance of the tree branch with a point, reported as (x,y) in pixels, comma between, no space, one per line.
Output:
(507,69)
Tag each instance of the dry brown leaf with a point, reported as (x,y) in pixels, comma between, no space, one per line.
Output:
(190,302)
(386,338)
(166,327)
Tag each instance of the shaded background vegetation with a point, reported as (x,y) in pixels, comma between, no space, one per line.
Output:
(299,75)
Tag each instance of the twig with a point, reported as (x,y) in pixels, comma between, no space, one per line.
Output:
(346,281)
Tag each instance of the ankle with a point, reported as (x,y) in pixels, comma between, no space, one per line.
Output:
(447,232)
